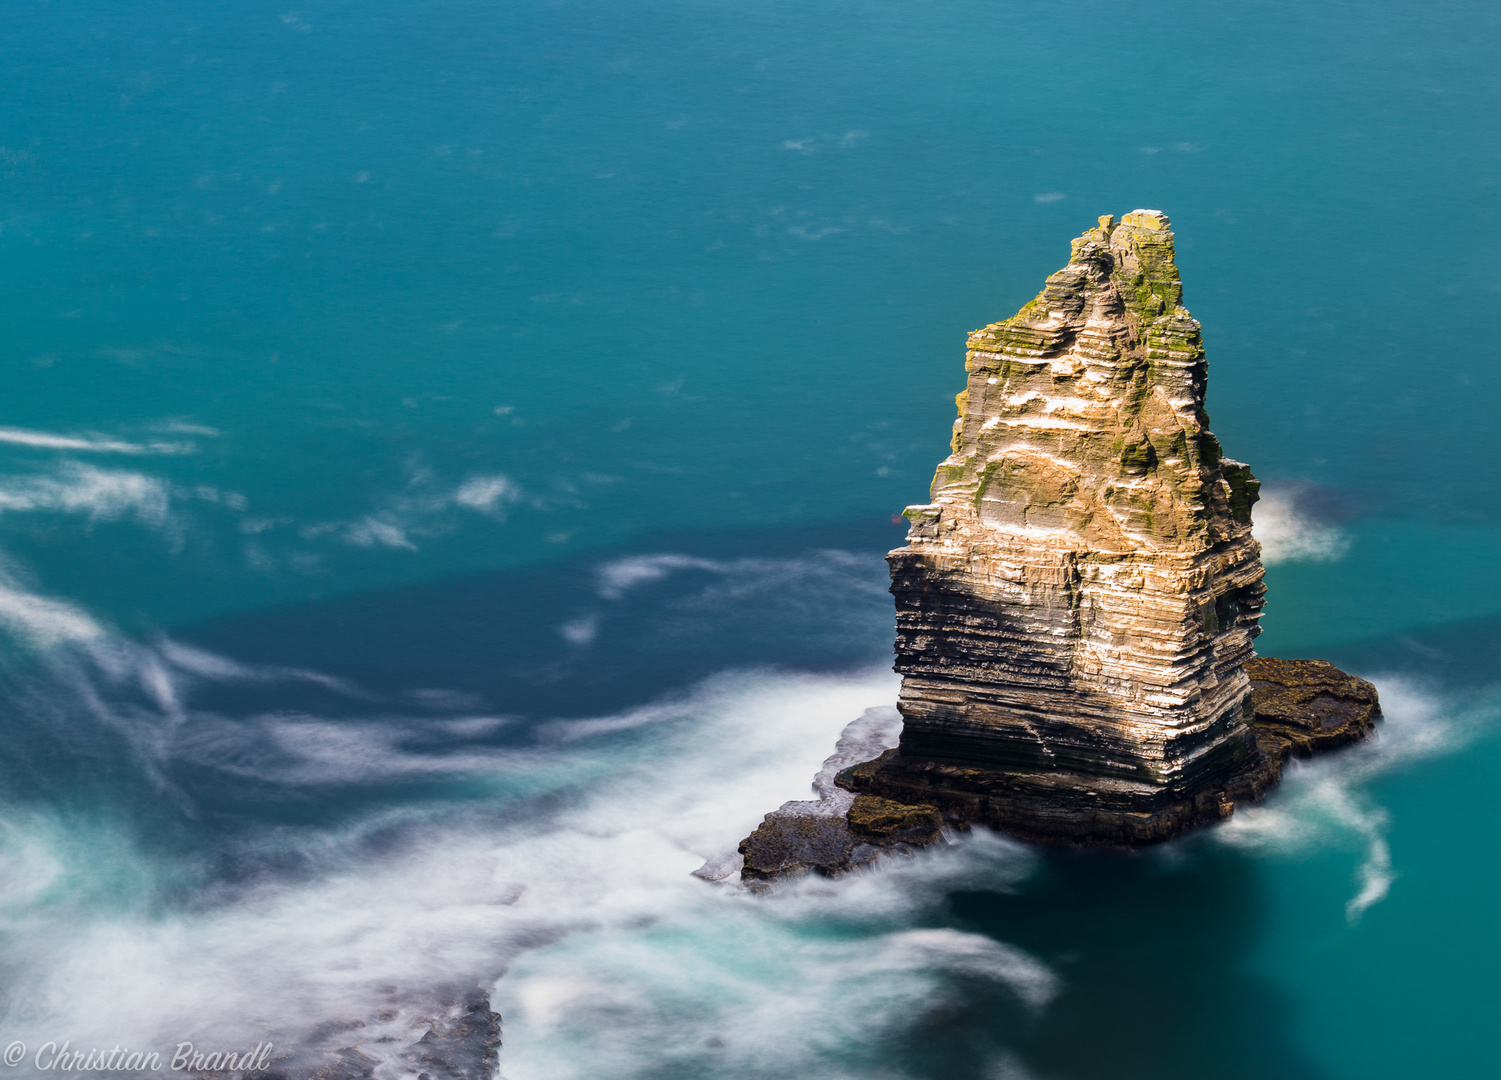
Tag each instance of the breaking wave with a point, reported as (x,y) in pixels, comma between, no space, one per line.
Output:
(557,872)
(1289,531)
(1326,802)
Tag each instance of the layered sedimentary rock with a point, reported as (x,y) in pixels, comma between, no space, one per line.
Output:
(1298,708)
(1076,603)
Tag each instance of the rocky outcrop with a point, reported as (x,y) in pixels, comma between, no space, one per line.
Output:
(790,844)
(448,1034)
(1076,604)
(1305,707)
(838,830)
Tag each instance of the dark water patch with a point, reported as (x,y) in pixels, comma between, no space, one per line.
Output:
(1460,656)
(583,636)
(426,696)
(1152,950)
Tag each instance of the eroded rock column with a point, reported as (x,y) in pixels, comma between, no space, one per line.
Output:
(1076,603)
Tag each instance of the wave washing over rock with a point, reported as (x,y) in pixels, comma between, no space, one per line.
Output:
(1076,604)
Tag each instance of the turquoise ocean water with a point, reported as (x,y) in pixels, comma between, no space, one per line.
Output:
(446,456)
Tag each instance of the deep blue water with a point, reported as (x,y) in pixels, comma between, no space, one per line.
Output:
(445,464)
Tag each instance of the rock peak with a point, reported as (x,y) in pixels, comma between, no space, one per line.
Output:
(1084,412)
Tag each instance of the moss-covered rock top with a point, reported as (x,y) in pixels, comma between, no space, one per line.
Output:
(1084,411)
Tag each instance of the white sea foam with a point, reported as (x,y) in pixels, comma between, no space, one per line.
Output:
(580,631)
(972,954)
(183,427)
(816,579)
(740,578)
(41,621)
(619,577)
(90,444)
(1006,1066)
(610,956)
(1290,533)
(190,661)
(101,494)
(425,509)
(1324,802)
(804,590)
(374,532)
(29,864)
(487,494)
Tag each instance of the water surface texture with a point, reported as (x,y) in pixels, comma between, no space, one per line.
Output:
(445,463)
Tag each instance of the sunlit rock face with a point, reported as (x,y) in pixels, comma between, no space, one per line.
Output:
(1076,603)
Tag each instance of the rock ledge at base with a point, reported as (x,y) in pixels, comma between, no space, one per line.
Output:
(891,806)
(839,830)
(1300,708)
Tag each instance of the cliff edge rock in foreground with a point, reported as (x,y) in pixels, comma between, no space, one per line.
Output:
(1076,605)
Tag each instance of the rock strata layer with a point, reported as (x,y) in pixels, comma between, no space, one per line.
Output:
(1299,708)
(1076,604)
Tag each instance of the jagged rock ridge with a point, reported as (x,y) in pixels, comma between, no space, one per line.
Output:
(1076,604)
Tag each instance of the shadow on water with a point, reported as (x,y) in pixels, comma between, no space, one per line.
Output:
(592,635)
(264,704)
(1151,952)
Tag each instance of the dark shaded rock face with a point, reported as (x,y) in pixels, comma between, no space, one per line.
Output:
(1299,708)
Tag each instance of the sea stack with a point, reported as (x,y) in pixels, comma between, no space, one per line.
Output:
(1076,604)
